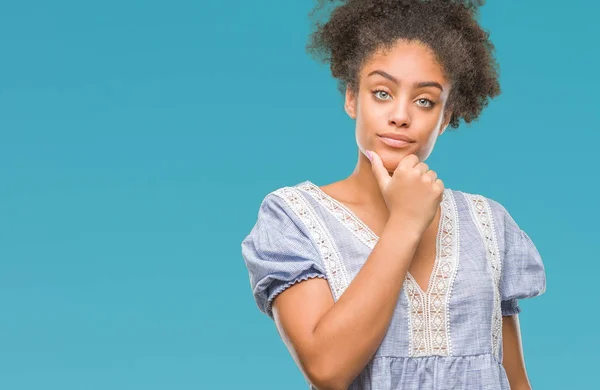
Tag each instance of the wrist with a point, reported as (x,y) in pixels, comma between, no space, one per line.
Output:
(405,226)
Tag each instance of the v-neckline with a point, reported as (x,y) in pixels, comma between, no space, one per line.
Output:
(374,238)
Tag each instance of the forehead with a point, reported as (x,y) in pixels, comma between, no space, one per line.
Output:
(411,61)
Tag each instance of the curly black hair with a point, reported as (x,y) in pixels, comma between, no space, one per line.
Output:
(357,28)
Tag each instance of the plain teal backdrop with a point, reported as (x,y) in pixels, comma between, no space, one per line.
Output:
(137,139)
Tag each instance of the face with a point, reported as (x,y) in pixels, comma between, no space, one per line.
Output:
(402,92)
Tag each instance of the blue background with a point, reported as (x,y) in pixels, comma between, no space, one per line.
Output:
(139,137)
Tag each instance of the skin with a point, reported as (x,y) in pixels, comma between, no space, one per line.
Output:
(512,359)
(402,90)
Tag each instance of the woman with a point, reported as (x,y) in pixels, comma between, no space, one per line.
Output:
(386,279)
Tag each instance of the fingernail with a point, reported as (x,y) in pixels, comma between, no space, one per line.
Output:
(369,156)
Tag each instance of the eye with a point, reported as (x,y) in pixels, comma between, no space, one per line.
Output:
(425,103)
(381,94)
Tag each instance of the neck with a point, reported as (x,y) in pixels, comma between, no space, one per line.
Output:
(363,185)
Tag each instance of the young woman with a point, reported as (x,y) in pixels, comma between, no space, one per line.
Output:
(386,279)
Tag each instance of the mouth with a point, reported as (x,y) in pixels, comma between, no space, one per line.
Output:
(395,143)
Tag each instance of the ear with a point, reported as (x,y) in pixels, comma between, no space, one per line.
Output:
(350,104)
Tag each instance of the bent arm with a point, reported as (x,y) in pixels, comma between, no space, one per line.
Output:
(333,342)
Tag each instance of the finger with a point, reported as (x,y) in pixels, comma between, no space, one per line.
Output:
(409,161)
(379,171)
(422,167)
(432,174)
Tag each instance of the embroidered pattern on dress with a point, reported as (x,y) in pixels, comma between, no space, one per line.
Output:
(334,267)
(444,274)
(428,312)
(482,214)
(356,226)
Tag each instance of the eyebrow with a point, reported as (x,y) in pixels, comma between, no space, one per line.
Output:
(421,84)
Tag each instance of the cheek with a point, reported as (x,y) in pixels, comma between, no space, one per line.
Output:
(361,135)
(370,116)
(429,140)
(368,123)
(425,150)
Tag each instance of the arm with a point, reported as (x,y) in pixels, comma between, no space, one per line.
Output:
(513,360)
(333,342)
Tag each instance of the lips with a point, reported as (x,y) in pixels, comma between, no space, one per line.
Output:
(395,140)
(397,137)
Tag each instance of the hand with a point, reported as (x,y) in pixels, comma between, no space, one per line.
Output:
(413,192)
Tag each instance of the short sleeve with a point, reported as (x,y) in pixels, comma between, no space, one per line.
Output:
(523,274)
(278,252)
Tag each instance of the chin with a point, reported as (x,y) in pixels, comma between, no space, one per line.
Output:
(391,162)
(391,158)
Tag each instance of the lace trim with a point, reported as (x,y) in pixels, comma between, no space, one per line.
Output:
(334,267)
(428,312)
(417,319)
(443,278)
(342,214)
(482,214)
(429,319)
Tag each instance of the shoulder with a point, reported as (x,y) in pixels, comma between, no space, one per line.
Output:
(280,210)
(480,206)
(279,197)
(479,198)
(488,211)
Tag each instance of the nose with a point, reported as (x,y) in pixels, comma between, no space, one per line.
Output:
(400,115)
